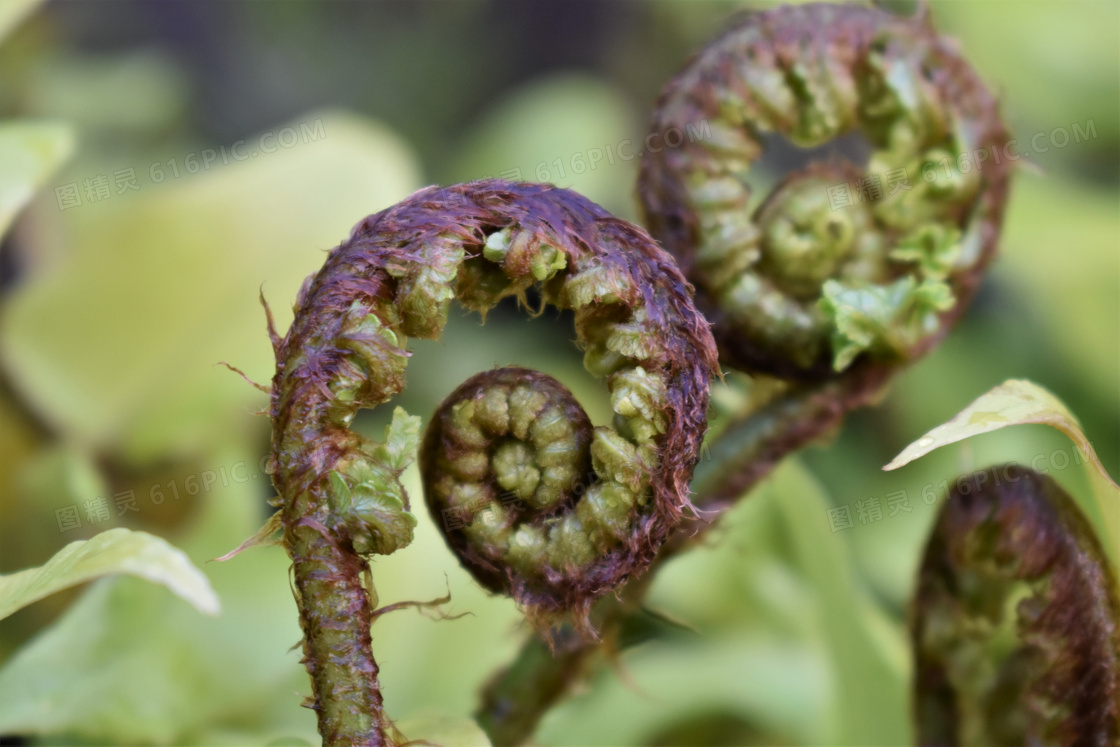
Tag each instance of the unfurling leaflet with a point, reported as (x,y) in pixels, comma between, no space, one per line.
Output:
(1015,626)
(552,510)
(838,262)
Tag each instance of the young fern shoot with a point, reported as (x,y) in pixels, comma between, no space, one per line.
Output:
(1016,625)
(813,281)
(505,430)
(832,298)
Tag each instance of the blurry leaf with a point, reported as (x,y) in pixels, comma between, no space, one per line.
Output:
(162,284)
(122,95)
(61,474)
(713,728)
(115,551)
(127,663)
(780,686)
(1044,314)
(29,153)
(444,731)
(14,11)
(29,482)
(260,738)
(1014,402)
(891,317)
(1017,402)
(647,624)
(565,130)
(1069,76)
(868,652)
(1068,287)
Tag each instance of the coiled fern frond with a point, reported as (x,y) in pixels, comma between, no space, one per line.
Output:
(840,262)
(506,433)
(1015,624)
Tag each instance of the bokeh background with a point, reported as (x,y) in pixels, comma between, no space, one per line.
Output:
(219,148)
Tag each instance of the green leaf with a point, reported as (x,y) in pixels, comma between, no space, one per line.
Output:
(29,153)
(12,12)
(115,551)
(402,439)
(341,498)
(934,247)
(1019,402)
(1070,292)
(128,663)
(887,318)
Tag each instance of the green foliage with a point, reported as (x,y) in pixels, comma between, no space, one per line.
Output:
(774,591)
(29,153)
(884,319)
(137,665)
(1017,402)
(558,130)
(115,551)
(14,11)
(168,288)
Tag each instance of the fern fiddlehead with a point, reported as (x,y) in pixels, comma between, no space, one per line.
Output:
(1015,626)
(504,431)
(830,299)
(801,285)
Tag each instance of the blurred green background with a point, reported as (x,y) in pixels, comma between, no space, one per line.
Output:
(222,147)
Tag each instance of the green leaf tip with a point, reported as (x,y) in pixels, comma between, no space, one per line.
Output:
(114,551)
(1022,402)
(263,536)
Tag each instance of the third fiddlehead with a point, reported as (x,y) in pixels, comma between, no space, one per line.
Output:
(1015,626)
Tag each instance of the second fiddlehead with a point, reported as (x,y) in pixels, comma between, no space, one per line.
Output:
(1015,626)
(802,285)
(830,298)
(506,431)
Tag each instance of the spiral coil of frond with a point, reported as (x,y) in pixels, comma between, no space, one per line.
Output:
(838,262)
(1015,624)
(508,432)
